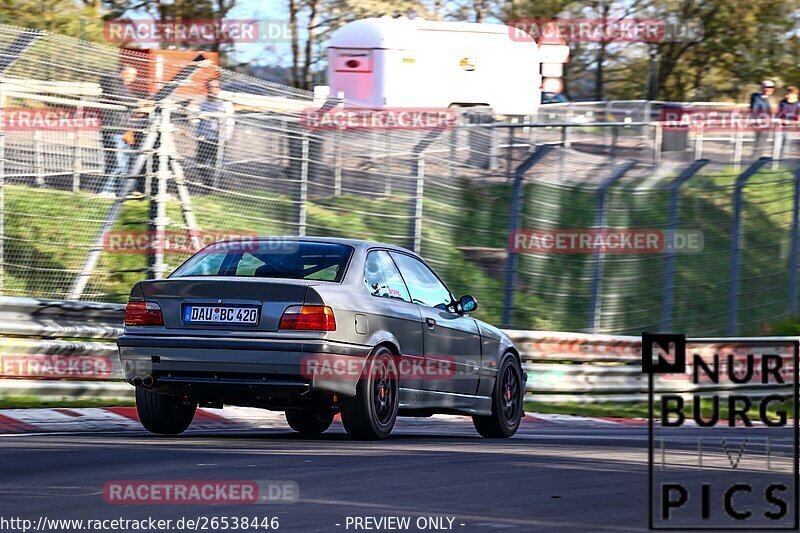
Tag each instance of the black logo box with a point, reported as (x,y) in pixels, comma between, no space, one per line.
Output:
(678,365)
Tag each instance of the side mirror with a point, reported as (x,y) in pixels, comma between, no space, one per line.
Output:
(467,304)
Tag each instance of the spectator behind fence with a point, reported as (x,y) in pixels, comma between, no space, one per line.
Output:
(117,137)
(761,115)
(214,113)
(789,115)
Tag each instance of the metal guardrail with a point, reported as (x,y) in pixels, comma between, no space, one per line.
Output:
(561,367)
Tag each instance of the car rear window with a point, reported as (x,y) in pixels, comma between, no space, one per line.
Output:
(320,261)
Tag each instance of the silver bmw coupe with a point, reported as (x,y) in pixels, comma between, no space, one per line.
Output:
(315,327)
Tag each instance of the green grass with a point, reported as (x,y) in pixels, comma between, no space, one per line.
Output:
(33,402)
(640,409)
(599,409)
(554,290)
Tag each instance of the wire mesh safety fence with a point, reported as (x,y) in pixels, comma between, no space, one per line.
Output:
(88,208)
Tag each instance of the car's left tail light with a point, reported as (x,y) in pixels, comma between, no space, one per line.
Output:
(143,314)
(308,318)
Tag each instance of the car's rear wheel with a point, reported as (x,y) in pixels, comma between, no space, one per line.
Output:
(506,402)
(371,414)
(309,422)
(162,414)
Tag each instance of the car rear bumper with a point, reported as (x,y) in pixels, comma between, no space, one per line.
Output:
(241,362)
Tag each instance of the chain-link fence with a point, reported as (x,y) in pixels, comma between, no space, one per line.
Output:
(89,208)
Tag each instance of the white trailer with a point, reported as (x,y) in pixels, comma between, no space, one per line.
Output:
(413,63)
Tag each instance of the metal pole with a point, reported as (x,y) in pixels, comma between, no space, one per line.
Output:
(337,163)
(672,225)
(738,139)
(416,244)
(38,158)
(794,245)
(698,143)
(418,171)
(514,223)
(657,140)
(736,237)
(600,220)
(160,220)
(221,131)
(510,153)
(453,150)
(77,164)
(303,197)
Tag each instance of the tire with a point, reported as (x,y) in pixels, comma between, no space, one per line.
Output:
(371,414)
(506,402)
(309,422)
(162,414)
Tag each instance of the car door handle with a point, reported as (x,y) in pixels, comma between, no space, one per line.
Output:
(431,323)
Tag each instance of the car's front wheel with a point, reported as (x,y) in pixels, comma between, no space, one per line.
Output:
(309,422)
(371,414)
(162,414)
(507,397)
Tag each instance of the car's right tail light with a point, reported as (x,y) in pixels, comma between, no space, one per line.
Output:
(308,318)
(143,314)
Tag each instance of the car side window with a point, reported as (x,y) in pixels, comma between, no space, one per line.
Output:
(424,286)
(382,278)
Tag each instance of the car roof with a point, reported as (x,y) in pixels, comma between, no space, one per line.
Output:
(355,243)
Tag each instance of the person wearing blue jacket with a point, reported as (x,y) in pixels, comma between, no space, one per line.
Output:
(761,115)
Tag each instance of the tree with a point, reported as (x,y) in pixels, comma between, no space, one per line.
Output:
(65,17)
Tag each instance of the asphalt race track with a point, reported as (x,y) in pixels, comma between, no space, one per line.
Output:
(543,479)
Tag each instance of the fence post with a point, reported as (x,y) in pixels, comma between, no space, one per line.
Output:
(418,171)
(337,162)
(657,140)
(158,202)
(303,197)
(77,160)
(698,143)
(738,139)
(416,232)
(777,142)
(794,244)
(672,225)
(221,132)
(514,223)
(736,236)
(38,157)
(600,220)
(453,151)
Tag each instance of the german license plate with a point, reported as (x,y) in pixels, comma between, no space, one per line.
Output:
(216,314)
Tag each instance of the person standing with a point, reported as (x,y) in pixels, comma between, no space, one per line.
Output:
(761,115)
(116,135)
(789,116)
(215,125)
